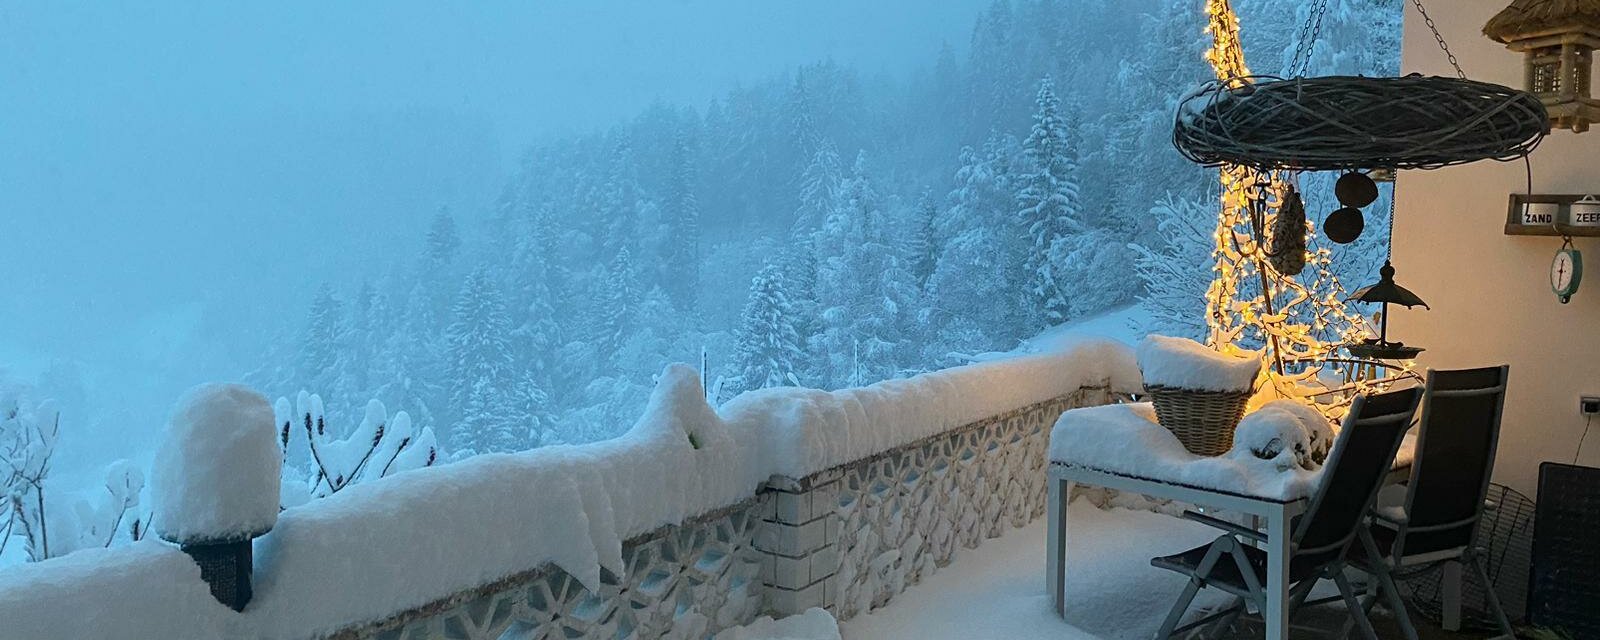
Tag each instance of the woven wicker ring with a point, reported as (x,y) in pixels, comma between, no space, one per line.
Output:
(1352,122)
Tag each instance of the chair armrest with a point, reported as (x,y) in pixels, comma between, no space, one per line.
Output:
(1225,526)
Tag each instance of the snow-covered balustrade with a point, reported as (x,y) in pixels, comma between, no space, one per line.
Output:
(694,521)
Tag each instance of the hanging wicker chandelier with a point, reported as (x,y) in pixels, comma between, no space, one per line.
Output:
(1353,122)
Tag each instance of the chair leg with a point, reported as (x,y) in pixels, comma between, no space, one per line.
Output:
(1398,604)
(1353,603)
(1224,623)
(1493,598)
(1298,595)
(1178,609)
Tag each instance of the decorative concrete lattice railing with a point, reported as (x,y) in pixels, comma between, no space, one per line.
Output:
(694,521)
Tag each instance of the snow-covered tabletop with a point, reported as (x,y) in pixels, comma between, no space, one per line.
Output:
(1126,440)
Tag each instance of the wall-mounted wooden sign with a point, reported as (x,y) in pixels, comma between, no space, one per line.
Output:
(1553,215)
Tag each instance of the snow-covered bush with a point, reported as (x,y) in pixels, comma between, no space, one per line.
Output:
(380,446)
(1174,266)
(51,522)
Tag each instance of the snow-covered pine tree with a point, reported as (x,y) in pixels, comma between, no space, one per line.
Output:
(487,423)
(443,241)
(802,118)
(410,365)
(323,340)
(532,410)
(819,189)
(994,59)
(1047,205)
(923,247)
(537,335)
(797,266)
(367,320)
(865,292)
(619,199)
(768,349)
(1375,21)
(479,368)
(619,300)
(974,304)
(682,270)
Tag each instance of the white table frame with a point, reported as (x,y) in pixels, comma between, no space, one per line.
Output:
(1276,514)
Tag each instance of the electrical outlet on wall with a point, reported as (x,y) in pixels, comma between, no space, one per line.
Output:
(1589,405)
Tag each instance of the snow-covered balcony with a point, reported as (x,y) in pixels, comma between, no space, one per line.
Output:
(695,521)
(910,508)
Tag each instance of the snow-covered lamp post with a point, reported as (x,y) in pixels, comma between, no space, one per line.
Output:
(215,483)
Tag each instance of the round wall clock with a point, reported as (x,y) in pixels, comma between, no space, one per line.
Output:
(1566,271)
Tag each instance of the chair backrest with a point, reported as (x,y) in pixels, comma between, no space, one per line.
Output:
(1455,456)
(1362,457)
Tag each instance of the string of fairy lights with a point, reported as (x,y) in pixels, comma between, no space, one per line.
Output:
(1299,326)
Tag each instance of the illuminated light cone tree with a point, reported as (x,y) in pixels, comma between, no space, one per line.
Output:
(1301,322)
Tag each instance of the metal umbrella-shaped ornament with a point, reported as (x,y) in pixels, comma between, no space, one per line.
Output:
(1385,292)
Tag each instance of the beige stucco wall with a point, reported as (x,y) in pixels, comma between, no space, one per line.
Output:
(1490,292)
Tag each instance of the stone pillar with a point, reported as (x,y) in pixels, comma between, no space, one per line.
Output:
(798,540)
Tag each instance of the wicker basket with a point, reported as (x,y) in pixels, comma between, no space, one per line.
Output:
(1203,420)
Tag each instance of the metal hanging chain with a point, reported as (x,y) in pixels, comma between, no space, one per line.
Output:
(1309,33)
(1440,39)
(1394,196)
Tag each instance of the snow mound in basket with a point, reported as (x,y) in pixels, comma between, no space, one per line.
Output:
(1185,364)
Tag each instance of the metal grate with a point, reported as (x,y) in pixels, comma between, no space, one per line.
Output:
(1505,539)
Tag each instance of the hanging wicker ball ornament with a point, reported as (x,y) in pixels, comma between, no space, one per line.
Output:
(1344,225)
(1286,249)
(1355,189)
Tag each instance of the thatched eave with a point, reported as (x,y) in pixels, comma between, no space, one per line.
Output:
(1534,18)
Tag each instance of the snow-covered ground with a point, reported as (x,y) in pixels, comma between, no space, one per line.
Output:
(996,592)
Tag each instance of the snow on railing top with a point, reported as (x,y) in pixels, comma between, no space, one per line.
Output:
(143,590)
(376,549)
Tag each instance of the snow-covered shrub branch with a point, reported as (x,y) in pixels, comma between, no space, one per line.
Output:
(380,446)
(49,522)
(1176,267)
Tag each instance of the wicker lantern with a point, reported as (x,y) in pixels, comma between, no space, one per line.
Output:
(1557,39)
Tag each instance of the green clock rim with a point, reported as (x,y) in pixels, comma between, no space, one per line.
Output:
(1577,273)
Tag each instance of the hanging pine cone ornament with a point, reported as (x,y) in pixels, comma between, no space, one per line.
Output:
(1287,248)
(1344,225)
(1355,189)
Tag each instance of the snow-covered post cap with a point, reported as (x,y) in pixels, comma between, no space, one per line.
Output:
(216,482)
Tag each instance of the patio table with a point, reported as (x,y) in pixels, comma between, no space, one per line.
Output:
(1121,447)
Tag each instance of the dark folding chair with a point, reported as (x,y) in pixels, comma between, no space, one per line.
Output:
(1438,522)
(1362,457)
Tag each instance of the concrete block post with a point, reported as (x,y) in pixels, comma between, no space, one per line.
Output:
(798,540)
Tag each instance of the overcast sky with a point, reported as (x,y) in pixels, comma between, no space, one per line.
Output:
(170,172)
